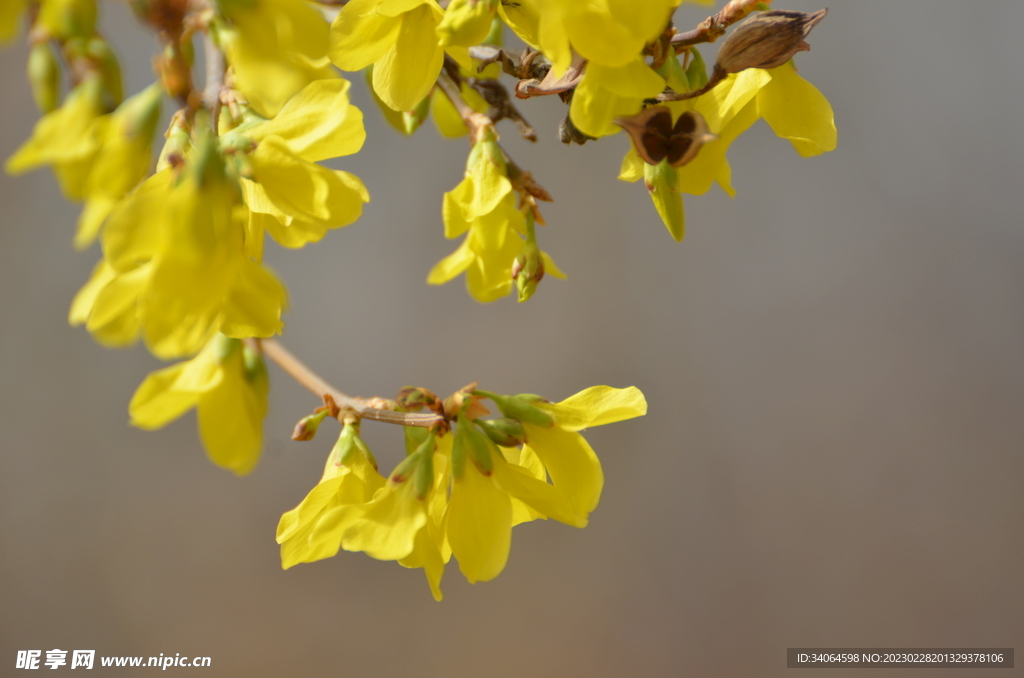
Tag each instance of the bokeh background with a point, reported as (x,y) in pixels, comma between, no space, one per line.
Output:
(834,361)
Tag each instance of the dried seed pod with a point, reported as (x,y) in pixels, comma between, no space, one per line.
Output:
(767,40)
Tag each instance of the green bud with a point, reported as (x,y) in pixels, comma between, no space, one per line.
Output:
(497,33)
(697,71)
(178,142)
(423,476)
(662,181)
(109,67)
(505,432)
(519,407)
(307,427)
(414,437)
(480,448)
(466,23)
(44,76)
(528,270)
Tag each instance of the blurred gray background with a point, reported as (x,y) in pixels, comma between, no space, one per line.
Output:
(833,361)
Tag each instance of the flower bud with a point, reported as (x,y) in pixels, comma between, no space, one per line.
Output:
(44,76)
(528,269)
(307,427)
(767,40)
(423,476)
(102,54)
(505,432)
(519,407)
(466,23)
(413,398)
(479,448)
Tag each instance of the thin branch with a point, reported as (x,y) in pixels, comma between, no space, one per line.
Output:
(476,121)
(363,406)
(713,27)
(215,66)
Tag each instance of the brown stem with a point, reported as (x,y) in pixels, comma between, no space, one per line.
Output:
(273,349)
(476,121)
(215,66)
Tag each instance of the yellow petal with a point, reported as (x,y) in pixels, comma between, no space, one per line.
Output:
(305,190)
(479,526)
(386,527)
(407,71)
(317,123)
(597,406)
(541,496)
(254,304)
(156,402)
(231,417)
(360,36)
(575,469)
(797,111)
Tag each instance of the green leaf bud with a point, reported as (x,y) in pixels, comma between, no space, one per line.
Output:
(307,427)
(505,432)
(44,76)
(519,407)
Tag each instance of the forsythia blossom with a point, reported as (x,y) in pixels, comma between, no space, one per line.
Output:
(227,384)
(461,493)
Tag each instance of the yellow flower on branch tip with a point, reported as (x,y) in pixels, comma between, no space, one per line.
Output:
(275,47)
(227,384)
(67,139)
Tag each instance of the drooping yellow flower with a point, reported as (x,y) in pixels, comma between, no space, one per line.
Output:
(483,208)
(276,47)
(178,264)
(350,478)
(399,38)
(567,457)
(67,139)
(290,196)
(124,156)
(227,384)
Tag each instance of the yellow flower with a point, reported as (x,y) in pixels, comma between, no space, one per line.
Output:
(177,264)
(227,384)
(483,207)
(566,456)
(399,38)
(290,196)
(793,107)
(350,478)
(67,139)
(124,156)
(276,47)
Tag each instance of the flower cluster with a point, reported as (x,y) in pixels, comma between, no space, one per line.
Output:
(183,238)
(461,491)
